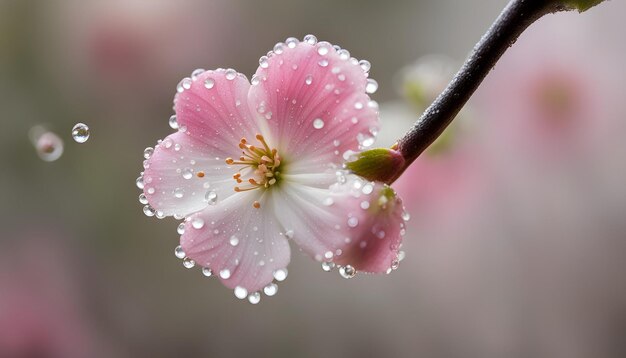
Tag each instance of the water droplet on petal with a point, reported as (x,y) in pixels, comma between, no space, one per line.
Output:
(406,216)
(80,132)
(197,72)
(322,49)
(365,205)
(209,83)
(289,234)
(292,42)
(371,85)
(353,222)
(328,201)
(358,105)
(308,80)
(188,263)
(139,182)
(207,272)
(395,263)
(279,48)
(365,65)
(318,123)
(347,271)
(180,229)
(179,193)
(280,274)
(187,173)
(173,122)
(234,240)
(271,289)
(241,292)
(197,223)
(310,39)
(323,62)
(255,80)
(148,210)
(328,266)
(254,298)
(264,62)
(230,74)
(143,199)
(211,197)
(401,255)
(225,274)
(178,252)
(147,153)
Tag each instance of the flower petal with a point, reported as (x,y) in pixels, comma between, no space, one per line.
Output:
(182,176)
(213,108)
(313,99)
(242,245)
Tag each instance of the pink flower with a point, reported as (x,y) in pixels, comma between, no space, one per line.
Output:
(252,166)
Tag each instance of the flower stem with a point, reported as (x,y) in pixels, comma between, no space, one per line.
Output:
(513,20)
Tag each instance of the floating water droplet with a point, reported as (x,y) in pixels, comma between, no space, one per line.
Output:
(197,72)
(280,274)
(187,173)
(347,271)
(344,54)
(264,62)
(207,272)
(80,132)
(147,153)
(225,274)
(318,123)
(148,210)
(308,80)
(209,83)
(180,229)
(310,39)
(234,240)
(230,74)
(279,48)
(365,65)
(328,266)
(48,145)
(211,197)
(179,193)
(188,263)
(271,289)
(353,222)
(241,292)
(371,86)
(178,252)
(197,223)
(254,298)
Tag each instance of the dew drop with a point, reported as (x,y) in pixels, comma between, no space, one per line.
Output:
(371,86)
(344,54)
(406,216)
(147,153)
(139,182)
(187,173)
(367,189)
(48,145)
(173,122)
(254,298)
(292,42)
(179,193)
(197,223)
(336,142)
(365,65)
(180,229)
(365,205)
(323,62)
(179,253)
(279,48)
(211,197)
(318,123)
(209,83)
(328,255)
(225,274)
(234,240)
(322,49)
(207,272)
(197,72)
(148,210)
(358,105)
(255,80)
(264,62)
(401,255)
(188,263)
(143,199)
(271,289)
(150,190)
(241,292)
(328,266)
(347,271)
(280,274)
(80,132)
(308,80)
(328,201)
(395,263)
(310,39)
(230,74)
(289,234)
(353,222)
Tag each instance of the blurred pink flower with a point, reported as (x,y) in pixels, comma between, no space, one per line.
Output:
(289,132)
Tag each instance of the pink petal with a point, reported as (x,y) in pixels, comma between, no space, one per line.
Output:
(234,236)
(315,105)
(214,109)
(183,176)
(377,228)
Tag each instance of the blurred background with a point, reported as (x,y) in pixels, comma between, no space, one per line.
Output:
(517,241)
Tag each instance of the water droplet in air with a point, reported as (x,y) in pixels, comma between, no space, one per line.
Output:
(280,274)
(48,145)
(371,85)
(241,292)
(318,123)
(197,223)
(254,298)
(209,83)
(347,271)
(188,263)
(328,266)
(271,289)
(178,252)
(80,132)
(310,39)
(225,274)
